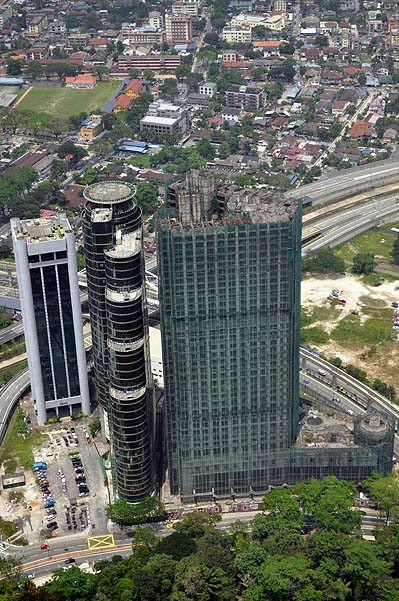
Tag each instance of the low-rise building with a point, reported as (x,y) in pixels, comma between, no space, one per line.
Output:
(165,118)
(245,97)
(153,62)
(189,7)
(83,80)
(208,88)
(237,35)
(92,127)
(134,88)
(36,25)
(142,36)
(56,27)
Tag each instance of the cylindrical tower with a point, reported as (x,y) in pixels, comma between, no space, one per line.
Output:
(116,289)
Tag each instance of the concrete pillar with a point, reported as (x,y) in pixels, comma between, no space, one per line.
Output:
(29,321)
(77,322)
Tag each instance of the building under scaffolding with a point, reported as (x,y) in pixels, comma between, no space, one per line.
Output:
(229,291)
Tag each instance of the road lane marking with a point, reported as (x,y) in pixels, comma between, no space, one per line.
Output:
(102,541)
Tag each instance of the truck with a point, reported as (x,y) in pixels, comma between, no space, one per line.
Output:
(39,465)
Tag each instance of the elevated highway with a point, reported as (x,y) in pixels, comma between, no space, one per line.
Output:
(343,184)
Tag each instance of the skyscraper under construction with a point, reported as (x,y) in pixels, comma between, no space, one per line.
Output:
(229,299)
(116,288)
(229,289)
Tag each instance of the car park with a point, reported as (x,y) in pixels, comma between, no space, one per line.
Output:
(51,524)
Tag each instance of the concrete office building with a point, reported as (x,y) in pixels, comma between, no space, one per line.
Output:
(115,280)
(229,291)
(48,282)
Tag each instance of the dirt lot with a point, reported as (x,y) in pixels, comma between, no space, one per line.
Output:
(365,338)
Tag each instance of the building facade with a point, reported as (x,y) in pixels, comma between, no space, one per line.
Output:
(237,35)
(48,282)
(229,292)
(153,62)
(245,97)
(115,278)
(164,118)
(178,29)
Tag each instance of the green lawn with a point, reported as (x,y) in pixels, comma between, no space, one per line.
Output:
(17,448)
(374,241)
(65,102)
(350,333)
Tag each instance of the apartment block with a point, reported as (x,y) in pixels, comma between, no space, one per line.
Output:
(178,29)
(245,97)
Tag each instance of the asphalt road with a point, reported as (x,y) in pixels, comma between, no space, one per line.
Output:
(344,181)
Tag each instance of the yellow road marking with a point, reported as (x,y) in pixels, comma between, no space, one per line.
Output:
(102,541)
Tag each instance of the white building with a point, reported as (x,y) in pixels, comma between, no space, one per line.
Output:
(50,298)
(208,88)
(165,118)
(237,35)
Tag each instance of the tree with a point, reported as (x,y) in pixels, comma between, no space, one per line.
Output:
(183,71)
(224,150)
(147,197)
(321,41)
(91,21)
(149,510)
(58,170)
(205,149)
(279,577)
(34,69)
(71,21)
(89,177)
(363,263)
(148,74)
(384,491)
(282,503)
(361,78)
(169,88)
(71,584)
(14,67)
(177,545)
(363,569)
(395,251)
(331,501)
(323,261)
(69,148)
(196,523)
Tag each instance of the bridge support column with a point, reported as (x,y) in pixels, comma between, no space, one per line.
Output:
(303,363)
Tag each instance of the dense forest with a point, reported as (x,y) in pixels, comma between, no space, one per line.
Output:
(304,546)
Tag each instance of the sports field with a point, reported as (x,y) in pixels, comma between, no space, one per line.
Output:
(65,102)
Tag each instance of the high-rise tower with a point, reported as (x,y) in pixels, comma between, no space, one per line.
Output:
(116,287)
(229,293)
(48,282)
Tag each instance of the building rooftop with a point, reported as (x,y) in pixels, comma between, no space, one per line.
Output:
(260,206)
(42,229)
(109,192)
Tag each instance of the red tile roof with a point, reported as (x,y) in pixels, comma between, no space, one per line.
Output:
(123,101)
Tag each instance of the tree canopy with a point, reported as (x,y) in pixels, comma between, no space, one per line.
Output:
(272,561)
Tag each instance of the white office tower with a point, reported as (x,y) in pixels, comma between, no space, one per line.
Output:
(48,283)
